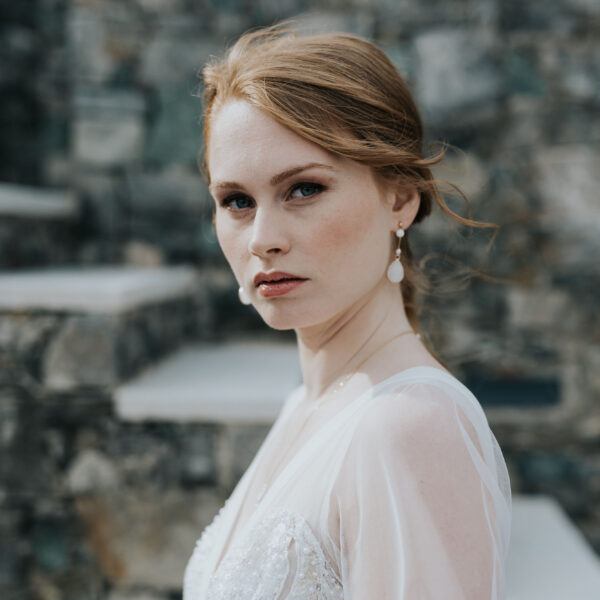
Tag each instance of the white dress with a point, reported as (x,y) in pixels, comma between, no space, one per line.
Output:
(401,493)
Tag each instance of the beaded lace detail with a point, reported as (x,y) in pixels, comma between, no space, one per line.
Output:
(279,558)
(194,574)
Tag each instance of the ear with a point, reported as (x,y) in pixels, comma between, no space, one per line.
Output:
(405,208)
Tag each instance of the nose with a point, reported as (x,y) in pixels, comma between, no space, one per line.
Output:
(268,233)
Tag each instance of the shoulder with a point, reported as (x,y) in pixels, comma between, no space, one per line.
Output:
(408,408)
(419,418)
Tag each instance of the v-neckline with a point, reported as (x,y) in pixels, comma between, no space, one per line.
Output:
(240,533)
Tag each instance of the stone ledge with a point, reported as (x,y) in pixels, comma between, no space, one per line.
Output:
(548,557)
(37,203)
(242,382)
(104,290)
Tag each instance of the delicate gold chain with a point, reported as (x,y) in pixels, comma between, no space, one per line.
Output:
(349,376)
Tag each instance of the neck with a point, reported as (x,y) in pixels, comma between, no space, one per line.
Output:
(333,349)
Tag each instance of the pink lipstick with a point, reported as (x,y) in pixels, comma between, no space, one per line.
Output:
(277,283)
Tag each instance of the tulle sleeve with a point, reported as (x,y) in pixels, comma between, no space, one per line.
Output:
(423,501)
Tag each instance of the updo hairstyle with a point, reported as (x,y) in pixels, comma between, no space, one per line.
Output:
(344,94)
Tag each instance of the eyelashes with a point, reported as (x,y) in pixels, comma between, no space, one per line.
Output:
(313,188)
(302,190)
(231,201)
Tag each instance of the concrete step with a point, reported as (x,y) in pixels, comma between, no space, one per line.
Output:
(548,558)
(93,290)
(241,382)
(94,327)
(27,202)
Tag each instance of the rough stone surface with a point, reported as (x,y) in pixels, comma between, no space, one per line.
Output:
(457,71)
(108,130)
(121,594)
(174,54)
(86,30)
(91,472)
(65,352)
(234,451)
(524,306)
(26,243)
(91,501)
(83,353)
(174,135)
(145,539)
(567,178)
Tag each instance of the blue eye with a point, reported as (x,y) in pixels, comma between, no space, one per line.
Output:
(306,190)
(237,202)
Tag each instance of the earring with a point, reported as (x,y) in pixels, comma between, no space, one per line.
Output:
(395,272)
(244,299)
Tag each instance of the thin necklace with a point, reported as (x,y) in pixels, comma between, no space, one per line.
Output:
(314,407)
(346,378)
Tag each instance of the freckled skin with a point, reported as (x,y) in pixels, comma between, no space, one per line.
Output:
(340,238)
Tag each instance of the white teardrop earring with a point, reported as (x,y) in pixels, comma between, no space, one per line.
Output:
(244,299)
(395,272)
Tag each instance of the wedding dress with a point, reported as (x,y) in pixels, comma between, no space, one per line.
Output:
(401,493)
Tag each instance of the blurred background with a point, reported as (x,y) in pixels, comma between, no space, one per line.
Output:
(132,381)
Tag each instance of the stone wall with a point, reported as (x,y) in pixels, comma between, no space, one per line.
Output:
(96,508)
(98,97)
(33,94)
(89,503)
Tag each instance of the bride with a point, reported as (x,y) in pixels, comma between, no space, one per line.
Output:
(380,478)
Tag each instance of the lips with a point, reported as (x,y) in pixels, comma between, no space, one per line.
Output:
(275,277)
(277,283)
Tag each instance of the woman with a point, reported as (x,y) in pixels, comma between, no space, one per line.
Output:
(380,478)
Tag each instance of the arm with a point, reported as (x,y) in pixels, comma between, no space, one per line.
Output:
(421,514)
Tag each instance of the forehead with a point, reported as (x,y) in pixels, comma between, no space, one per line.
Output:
(245,142)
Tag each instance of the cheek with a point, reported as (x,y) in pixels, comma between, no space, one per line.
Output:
(232,245)
(354,235)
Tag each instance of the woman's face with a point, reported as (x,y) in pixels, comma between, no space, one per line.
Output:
(307,233)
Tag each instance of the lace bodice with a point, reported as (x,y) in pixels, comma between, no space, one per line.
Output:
(280,559)
(404,494)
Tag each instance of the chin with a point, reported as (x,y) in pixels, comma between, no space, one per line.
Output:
(280,322)
(283,318)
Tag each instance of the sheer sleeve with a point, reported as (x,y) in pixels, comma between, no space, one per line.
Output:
(423,501)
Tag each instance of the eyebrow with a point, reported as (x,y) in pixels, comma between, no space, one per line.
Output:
(279,178)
